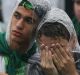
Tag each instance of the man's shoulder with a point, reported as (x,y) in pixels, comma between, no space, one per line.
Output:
(34,67)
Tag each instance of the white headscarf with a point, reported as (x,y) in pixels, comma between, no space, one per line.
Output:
(60,16)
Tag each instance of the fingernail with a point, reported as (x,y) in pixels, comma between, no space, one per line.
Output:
(53,44)
(42,44)
(46,47)
(57,43)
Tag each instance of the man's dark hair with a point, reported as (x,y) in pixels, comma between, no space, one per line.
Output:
(54,30)
(37,8)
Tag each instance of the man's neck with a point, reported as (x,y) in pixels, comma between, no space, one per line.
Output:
(21,48)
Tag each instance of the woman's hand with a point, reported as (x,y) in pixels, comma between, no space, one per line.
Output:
(63,60)
(47,62)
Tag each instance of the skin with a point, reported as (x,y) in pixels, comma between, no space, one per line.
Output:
(22,24)
(3,74)
(56,56)
(77,10)
(47,62)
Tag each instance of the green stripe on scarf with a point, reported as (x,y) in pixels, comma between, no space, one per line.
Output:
(26,4)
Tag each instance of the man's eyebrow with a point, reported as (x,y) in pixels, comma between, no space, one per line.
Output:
(30,18)
(34,20)
(16,12)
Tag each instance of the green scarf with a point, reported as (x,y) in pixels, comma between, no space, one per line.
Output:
(26,4)
(15,60)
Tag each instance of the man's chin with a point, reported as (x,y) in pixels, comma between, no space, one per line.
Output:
(16,39)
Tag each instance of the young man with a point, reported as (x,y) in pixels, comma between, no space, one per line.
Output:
(57,39)
(17,44)
(76,19)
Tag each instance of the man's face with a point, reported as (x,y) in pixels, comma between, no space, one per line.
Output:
(48,41)
(77,9)
(22,24)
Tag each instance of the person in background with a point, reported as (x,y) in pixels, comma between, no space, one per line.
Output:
(76,19)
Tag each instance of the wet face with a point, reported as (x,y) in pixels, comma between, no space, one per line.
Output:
(77,9)
(22,25)
(48,41)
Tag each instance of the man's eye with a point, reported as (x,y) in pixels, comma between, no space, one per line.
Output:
(29,20)
(17,16)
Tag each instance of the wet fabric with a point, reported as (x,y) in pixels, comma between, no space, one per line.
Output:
(58,15)
(15,62)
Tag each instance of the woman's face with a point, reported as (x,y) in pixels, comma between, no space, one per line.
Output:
(48,41)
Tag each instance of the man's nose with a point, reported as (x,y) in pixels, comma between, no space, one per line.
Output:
(20,24)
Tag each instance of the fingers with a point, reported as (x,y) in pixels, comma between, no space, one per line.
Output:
(43,58)
(65,53)
(42,46)
(57,61)
(70,55)
(56,57)
(46,58)
(59,56)
(62,51)
(49,60)
(69,52)
(57,51)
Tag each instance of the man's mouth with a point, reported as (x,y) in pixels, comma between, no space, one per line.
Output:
(17,33)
